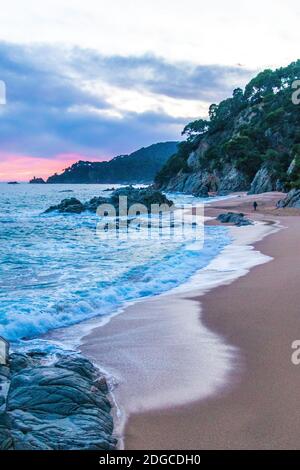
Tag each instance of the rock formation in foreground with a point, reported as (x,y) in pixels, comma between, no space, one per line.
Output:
(60,406)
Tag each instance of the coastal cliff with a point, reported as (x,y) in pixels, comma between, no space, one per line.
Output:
(53,404)
(251,142)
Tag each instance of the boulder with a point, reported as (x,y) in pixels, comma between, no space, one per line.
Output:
(71,206)
(235,218)
(145,196)
(93,204)
(55,406)
(292,199)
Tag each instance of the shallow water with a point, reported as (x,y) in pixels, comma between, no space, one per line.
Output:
(55,271)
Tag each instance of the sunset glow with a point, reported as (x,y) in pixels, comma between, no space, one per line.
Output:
(23,167)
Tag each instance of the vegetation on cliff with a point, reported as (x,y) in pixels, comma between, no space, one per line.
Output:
(256,130)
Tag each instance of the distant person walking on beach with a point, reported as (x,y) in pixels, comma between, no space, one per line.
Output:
(255,205)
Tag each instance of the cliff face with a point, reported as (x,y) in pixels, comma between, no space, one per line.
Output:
(139,167)
(251,141)
(292,199)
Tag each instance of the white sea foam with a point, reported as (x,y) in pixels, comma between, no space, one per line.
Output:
(170,357)
(54,272)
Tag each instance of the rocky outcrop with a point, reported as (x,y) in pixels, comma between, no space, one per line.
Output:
(193,183)
(144,196)
(232,180)
(264,181)
(237,219)
(52,406)
(201,183)
(291,200)
(292,167)
(37,181)
(71,206)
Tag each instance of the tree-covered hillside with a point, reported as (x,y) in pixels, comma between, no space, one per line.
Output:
(138,167)
(250,141)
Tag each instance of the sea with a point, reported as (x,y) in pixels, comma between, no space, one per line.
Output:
(56,272)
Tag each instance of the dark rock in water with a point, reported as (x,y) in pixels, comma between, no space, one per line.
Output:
(72,206)
(13,182)
(234,218)
(66,191)
(93,204)
(144,196)
(292,199)
(37,181)
(62,405)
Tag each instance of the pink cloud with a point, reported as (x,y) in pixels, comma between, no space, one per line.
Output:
(25,167)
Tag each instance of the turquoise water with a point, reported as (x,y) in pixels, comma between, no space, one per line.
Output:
(55,271)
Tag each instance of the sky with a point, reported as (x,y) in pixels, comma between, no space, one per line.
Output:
(94,79)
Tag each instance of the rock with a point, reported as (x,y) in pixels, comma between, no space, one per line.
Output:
(63,405)
(19,362)
(193,183)
(13,182)
(71,205)
(4,371)
(234,218)
(145,196)
(37,181)
(264,181)
(232,180)
(77,364)
(201,182)
(279,186)
(291,167)
(6,442)
(94,203)
(292,199)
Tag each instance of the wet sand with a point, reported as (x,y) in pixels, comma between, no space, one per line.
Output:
(258,314)
(169,354)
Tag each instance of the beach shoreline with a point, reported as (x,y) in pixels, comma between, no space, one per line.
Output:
(257,314)
(101,345)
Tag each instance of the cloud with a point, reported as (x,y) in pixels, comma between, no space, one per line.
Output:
(180,80)
(76,101)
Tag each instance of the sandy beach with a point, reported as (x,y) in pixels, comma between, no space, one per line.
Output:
(156,350)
